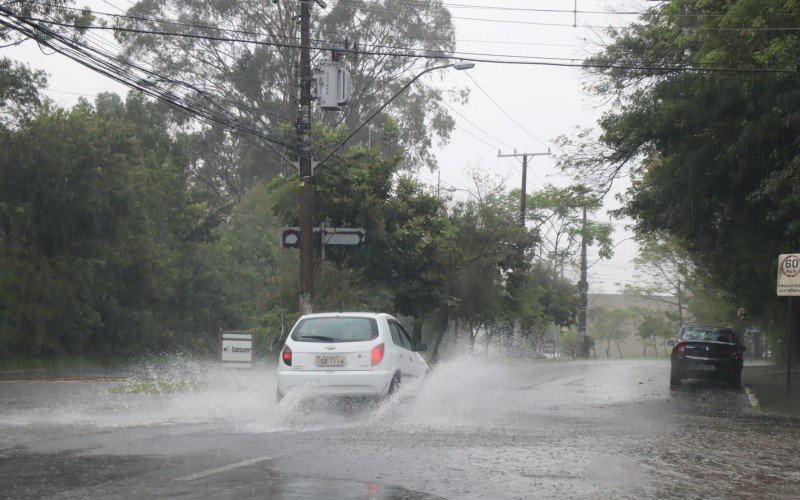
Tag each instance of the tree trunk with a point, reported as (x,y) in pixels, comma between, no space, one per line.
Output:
(608,348)
(416,332)
(619,348)
(472,336)
(644,348)
(439,336)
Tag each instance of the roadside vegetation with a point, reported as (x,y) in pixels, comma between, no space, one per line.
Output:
(126,228)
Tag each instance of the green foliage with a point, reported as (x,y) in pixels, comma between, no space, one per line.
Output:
(50,9)
(257,83)
(96,225)
(557,215)
(653,327)
(409,236)
(610,325)
(714,154)
(19,92)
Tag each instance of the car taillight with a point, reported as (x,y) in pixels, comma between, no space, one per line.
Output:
(735,354)
(680,348)
(377,354)
(286,355)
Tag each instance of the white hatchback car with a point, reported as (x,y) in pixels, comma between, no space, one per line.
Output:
(348,354)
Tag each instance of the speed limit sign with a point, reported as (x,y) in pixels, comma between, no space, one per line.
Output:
(789,274)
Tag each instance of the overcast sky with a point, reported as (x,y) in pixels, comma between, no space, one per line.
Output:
(522,107)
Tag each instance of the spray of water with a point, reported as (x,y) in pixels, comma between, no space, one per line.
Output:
(462,394)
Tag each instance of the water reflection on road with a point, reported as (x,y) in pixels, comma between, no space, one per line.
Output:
(473,428)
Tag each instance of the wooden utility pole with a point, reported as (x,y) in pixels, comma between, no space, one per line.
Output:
(583,301)
(306,196)
(523,192)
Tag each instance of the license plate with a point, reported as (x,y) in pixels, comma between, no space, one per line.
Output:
(331,361)
(707,368)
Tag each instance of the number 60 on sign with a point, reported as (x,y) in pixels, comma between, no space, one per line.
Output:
(789,274)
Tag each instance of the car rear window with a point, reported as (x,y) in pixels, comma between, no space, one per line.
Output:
(335,329)
(706,334)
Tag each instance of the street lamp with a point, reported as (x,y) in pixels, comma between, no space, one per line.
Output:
(460,66)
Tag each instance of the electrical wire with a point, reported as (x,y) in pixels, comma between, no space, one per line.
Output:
(506,113)
(79,54)
(585,64)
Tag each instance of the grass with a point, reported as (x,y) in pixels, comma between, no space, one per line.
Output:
(157,387)
(60,363)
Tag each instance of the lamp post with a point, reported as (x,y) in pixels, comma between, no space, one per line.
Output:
(306,222)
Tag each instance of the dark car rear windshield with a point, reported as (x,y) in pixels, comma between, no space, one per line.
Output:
(335,329)
(707,334)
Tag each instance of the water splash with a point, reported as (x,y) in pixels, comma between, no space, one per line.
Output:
(465,394)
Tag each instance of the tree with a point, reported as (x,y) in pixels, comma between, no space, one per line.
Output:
(97,230)
(410,237)
(19,92)
(712,152)
(663,271)
(240,59)
(653,328)
(490,252)
(611,325)
(51,9)
(557,218)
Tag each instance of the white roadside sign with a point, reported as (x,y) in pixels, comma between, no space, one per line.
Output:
(237,349)
(789,274)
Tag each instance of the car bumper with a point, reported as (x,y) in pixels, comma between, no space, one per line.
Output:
(701,368)
(335,383)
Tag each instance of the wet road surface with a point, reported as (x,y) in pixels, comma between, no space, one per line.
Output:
(473,429)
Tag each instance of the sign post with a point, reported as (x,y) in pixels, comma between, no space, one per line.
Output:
(236,348)
(789,286)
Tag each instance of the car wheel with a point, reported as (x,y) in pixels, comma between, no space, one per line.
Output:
(674,378)
(394,385)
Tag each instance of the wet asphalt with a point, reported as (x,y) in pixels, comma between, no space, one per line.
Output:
(475,428)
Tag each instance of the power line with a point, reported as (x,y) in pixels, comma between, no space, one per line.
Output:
(640,67)
(77,52)
(506,112)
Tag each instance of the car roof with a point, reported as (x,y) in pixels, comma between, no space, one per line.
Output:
(343,314)
(707,326)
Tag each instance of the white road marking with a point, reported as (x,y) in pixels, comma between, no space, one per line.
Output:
(224,468)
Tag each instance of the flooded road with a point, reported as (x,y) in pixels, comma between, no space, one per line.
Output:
(472,429)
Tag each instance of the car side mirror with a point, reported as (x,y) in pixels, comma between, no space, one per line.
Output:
(671,342)
(421,347)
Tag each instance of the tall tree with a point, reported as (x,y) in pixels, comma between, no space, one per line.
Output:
(712,148)
(97,227)
(663,272)
(611,325)
(241,57)
(60,11)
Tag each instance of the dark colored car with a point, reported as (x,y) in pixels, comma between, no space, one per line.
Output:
(706,352)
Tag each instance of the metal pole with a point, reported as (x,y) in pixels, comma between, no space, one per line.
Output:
(788,346)
(523,192)
(583,288)
(306,196)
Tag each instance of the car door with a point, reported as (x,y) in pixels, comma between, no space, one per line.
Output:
(417,365)
(403,346)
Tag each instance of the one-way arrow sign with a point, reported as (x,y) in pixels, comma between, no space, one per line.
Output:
(290,236)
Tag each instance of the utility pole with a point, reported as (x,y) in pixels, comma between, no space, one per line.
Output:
(518,277)
(523,193)
(583,287)
(306,196)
